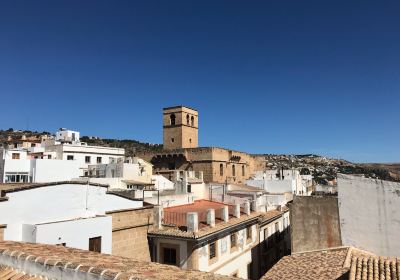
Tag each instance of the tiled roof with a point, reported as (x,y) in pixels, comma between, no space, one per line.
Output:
(318,265)
(374,268)
(64,261)
(8,273)
(176,232)
(335,263)
(266,216)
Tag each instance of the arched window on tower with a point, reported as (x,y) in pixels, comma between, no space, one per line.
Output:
(221,170)
(187,120)
(233,170)
(243,171)
(172,119)
(192,121)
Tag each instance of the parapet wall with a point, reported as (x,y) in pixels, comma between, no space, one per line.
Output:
(129,233)
(314,223)
(370,214)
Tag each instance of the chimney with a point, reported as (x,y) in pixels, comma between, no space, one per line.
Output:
(158,216)
(211,217)
(247,207)
(236,210)
(225,213)
(192,222)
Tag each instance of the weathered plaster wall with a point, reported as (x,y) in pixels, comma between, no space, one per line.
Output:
(314,223)
(370,214)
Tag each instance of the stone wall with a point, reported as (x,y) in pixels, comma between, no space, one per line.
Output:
(208,160)
(184,135)
(370,214)
(314,223)
(129,237)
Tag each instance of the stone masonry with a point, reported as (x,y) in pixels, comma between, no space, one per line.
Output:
(129,236)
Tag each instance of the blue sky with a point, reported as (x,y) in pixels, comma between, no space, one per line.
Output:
(266,76)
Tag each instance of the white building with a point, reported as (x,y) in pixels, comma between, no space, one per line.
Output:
(62,158)
(282,181)
(65,213)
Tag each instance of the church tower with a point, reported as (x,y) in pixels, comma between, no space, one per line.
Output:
(180,125)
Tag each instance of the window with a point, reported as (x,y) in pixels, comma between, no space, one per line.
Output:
(243,171)
(233,240)
(87,159)
(15,156)
(233,170)
(16,177)
(212,250)
(169,256)
(172,140)
(70,157)
(192,119)
(49,156)
(189,188)
(187,120)
(172,119)
(98,159)
(95,244)
(248,232)
(221,170)
(190,140)
(33,145)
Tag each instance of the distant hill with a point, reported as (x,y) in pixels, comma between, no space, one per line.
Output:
(130,146)
(323,169)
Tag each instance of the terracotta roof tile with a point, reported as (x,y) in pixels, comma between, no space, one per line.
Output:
(108,266)
(318,265)
(8,273)
(336,263)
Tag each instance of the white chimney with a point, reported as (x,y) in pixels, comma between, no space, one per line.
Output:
(211,217)
(192,222)
(158,216)
(236,210)
(225,213)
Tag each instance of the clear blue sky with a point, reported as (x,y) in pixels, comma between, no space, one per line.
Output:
(266,76)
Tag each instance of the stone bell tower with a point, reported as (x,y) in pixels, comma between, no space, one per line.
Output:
(180,125)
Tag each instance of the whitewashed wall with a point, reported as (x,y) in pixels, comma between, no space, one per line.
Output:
(75,233)
(57,203)
(369,212)
(232,262)
(47,170)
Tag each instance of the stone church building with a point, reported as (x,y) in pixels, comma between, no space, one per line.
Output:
(181,151)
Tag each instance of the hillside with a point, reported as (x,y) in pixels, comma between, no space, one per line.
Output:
(322,168)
